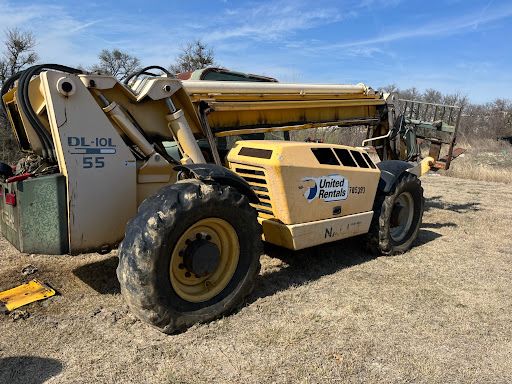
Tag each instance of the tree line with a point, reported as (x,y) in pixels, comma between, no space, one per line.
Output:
(194,55)
(19,53)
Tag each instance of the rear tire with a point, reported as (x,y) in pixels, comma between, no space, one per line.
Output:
(180,228)
(397,217)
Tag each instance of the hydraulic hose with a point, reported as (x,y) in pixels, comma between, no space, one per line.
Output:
(144,71)
(5,88)
(26,106)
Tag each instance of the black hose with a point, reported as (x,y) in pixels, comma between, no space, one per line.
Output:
(150,74)
(26,107)
(24,103)
(5,88)
(144,70)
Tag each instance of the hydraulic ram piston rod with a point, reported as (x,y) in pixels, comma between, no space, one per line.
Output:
(183,134)
(130,130)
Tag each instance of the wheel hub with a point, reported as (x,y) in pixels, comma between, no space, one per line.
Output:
(402,216)
(204,259)
(201,257)
(395,215)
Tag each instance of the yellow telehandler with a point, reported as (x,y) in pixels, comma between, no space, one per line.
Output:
(181,177)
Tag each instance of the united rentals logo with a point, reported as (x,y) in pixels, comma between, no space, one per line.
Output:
(328,188)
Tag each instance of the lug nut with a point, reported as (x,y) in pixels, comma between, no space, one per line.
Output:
(187,274)
(181,266)
(198,236)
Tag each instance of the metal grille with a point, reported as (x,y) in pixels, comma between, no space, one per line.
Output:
(258,182)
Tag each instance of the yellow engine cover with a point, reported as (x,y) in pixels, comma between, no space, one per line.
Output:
(299,182)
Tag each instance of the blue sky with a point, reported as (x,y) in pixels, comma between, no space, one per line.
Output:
(451,45)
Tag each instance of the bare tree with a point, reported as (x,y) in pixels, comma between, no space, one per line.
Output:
(500,118)
(432,96)
(389,88)
(195,55)
(17,55)
(410,94)
(116,63)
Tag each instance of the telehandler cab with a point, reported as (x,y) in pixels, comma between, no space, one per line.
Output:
(180,176)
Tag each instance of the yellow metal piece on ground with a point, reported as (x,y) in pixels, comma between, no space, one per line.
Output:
(25,294)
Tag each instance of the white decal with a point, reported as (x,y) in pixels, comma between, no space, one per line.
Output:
(328,188)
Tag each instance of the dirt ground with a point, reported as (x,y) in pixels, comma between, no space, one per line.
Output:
(440,313)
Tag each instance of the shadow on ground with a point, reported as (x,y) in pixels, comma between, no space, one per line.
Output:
(425,236)
(313,263)
(439,225)
(100,276)
(436,202)
(298,267)
(301,266)
(309,264)
(28,369)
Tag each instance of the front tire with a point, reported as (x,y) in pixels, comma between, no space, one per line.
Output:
(397,217)
(190,255)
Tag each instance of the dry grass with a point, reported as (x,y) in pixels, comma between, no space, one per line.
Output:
(469,170)
(485,160)
(439,313)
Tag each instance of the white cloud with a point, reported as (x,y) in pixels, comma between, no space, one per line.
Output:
(59,36)
(68,37)
(271,21)
(445,27)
